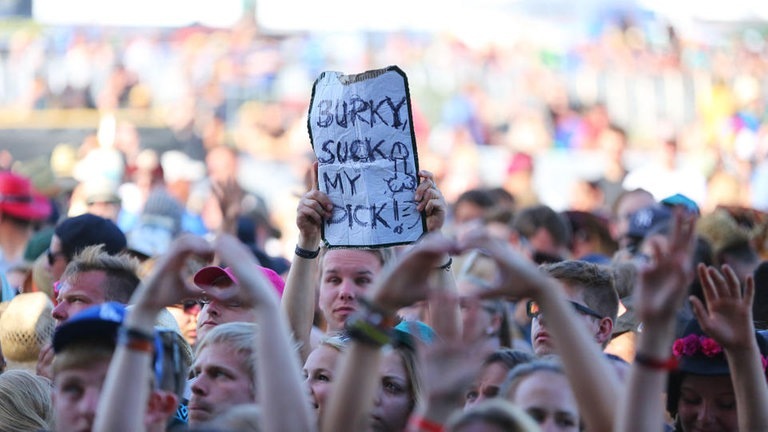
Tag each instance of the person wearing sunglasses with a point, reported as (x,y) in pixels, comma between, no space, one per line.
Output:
(186,314)
(573,333)
(232,365)
(589,290)
(73,235)
(93,277)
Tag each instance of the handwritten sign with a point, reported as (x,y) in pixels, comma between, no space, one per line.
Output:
(361,130)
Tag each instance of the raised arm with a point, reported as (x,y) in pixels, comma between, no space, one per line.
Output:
(125,394)
(298,300)
(594,383)
(400,285)
(444,320)
(663,285)
(229,196)
(727,318)
(278,374)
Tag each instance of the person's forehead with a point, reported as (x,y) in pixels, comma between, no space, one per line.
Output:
(494,373)
(219,355)
(715,385)
(351,260)
(392,365)
(546,389)
(93,372)
(322,357)
(90,282)
(573,292)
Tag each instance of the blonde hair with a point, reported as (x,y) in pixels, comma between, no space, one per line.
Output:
(121,270)
(25,402)
(238,336)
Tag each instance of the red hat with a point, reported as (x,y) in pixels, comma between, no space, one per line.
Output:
(208,275)
(19,199)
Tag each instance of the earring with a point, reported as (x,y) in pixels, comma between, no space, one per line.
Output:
(490,331)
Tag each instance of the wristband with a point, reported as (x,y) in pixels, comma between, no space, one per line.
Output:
(360,327)
(305,253)
(446,266)
(372,326)
(420,424)
(136,340)
(649,362)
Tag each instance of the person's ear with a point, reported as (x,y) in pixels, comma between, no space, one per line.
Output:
(161,406)
(604,331)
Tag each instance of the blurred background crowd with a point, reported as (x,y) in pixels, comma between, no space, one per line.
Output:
(563,104)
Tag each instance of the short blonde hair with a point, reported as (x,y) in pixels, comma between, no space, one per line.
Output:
(122,271)
(241,338)
(25,402)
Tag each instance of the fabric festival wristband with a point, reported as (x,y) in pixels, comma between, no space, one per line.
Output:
(420,424)
(649,362)
(360,327)
(305,253)
(136,340)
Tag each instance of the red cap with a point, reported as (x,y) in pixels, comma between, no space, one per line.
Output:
(206,276)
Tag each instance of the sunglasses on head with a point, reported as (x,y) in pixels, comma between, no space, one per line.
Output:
(533,310)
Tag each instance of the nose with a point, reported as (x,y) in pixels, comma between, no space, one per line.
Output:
(88,403)
(549,425)
(198,386)
(347,290)
(377,399)
(706,412)
(211,309)
(59,312)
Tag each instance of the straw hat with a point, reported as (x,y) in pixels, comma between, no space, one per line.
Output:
(25,327)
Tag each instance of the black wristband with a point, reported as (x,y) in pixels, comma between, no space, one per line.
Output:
(306,254)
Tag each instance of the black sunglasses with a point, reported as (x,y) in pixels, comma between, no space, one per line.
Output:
(533,310)
(52,256)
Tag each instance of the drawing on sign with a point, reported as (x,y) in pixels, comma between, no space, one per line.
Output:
(361,130)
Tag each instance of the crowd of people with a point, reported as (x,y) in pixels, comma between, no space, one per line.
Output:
(503,316)
(191,289)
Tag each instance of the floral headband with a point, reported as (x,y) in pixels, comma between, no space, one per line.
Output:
(694,344)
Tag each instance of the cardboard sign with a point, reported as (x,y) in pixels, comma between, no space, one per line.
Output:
(361,130)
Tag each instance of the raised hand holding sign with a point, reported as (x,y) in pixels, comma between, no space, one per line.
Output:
(362,133)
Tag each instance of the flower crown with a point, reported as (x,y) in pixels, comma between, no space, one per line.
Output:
(695,344)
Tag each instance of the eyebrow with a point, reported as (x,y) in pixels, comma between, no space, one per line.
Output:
(357,273)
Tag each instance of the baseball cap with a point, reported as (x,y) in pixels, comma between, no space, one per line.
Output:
(642,221)
(208,275)
(96,323)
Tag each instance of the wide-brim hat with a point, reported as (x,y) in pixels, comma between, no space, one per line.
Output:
(19,199)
